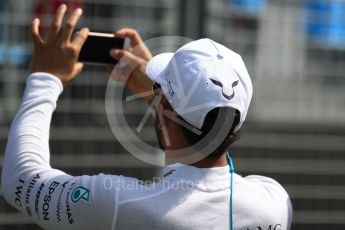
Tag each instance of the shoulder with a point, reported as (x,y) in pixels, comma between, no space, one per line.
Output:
(265,197)
(266,185)
(265,188)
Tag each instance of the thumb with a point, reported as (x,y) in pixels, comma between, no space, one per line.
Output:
(128,63)
(77,69)
(127,59)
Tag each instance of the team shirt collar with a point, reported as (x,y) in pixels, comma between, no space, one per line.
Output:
(206,179)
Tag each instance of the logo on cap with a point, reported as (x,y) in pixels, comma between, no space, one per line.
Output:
(218,83)
(171,91)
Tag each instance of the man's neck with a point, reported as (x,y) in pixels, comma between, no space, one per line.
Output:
(209,162)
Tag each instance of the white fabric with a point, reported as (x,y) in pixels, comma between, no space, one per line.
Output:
(188,79)
(187,198)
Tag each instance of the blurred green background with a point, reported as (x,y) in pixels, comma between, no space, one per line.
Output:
(294,51)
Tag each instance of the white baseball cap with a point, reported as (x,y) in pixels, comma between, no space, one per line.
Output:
(200,76)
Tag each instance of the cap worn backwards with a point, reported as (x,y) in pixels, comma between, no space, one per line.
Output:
(200,76)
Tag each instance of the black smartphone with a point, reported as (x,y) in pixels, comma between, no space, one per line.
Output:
(97,47)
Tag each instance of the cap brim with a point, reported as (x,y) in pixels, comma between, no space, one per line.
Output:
(157,65)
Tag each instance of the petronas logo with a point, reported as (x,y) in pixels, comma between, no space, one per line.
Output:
(80,193)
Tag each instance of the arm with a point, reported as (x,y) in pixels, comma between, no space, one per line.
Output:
(52,198)
(49,196)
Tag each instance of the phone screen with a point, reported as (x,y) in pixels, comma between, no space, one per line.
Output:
(97,47)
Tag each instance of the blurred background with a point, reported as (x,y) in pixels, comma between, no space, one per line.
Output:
(294,51)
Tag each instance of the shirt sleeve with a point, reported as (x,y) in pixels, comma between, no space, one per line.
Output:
(276,197)
(52,198)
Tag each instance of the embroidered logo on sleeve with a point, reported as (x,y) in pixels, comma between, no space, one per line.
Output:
(80,193)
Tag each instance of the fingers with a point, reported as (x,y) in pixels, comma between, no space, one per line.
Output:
(80,38)
(127,59)
(131,71)
(132,34)
(139,47)
(69,27)
(70,24)
(56,25)
(127,64)
(35,34)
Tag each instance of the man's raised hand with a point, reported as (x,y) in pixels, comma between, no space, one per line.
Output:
(132,65)
(58,54)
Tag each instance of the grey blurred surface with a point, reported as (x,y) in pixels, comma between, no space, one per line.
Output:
(295,129)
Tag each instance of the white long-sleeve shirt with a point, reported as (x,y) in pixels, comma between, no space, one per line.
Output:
(186,198)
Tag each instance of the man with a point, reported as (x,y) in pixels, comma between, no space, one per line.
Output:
(198,191)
